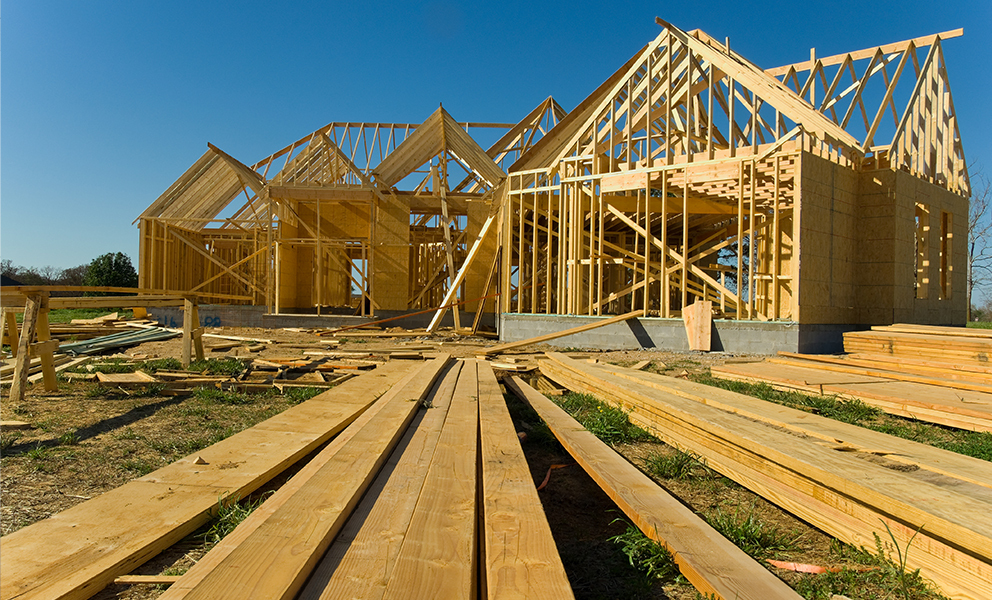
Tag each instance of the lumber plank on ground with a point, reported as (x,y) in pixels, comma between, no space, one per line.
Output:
(223,549)
(935,371)
(841,366)
(934,330)
(559,334)
(274,561)
(844,494)
(708,560)
(971,350)
(77,552)
(521,559)
(963,409)
(830,432)
(438,556)
(359,562)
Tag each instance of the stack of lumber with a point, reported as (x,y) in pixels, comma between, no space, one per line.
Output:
(955,397)
(957,345)
(853,483)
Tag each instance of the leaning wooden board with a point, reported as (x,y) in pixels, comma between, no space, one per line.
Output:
(709,561)
(848,496)
(78,552)
(965,409)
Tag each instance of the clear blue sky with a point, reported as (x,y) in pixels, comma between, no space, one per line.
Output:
(105,104)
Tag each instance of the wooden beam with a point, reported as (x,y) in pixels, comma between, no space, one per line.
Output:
(521,559)
(709,561)
(438,555)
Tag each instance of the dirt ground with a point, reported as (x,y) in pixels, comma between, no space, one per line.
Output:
(86,441)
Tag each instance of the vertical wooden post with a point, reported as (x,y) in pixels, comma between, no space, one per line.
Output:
(44,335)
(192,332)
(10,323)
(31,309)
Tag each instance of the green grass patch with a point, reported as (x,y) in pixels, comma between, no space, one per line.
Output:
(748,532)
(230,516)
(647,555)
(218,366)
(298,395)
(213,395)
(874,575)
(980,324)
(977,444)
(612,425)
(679,464)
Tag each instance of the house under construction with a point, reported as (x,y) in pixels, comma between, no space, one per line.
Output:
(820,196)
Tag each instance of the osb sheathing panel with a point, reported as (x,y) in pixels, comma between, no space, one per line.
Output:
(391,255)
(479,270)
(828,241)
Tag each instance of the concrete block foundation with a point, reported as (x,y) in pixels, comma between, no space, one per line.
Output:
(738,337)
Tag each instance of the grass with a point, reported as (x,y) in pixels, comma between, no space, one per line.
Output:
(980,324)
(230,516)
(977,444)
(748,532)
(872,574)
(647,555)
(609,424)
(680,464)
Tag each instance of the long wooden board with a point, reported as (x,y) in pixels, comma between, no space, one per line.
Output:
(359,562)
(946,406)
(438,555)
(520,556)
(829,432)
(708,560)
(274,561)
(223,549)
(847,496)
(78,552)
(938,374)
(560,334)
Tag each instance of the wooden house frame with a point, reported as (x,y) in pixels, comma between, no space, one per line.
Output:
(388,210)
(832,191)
(641,197)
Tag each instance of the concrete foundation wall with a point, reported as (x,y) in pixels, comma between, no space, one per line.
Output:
(738,337)
(219,315)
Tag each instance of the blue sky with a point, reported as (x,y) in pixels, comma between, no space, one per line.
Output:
(104,104)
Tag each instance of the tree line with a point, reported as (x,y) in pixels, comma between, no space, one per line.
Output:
(111,269)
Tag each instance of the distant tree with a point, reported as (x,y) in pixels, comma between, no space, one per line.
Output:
(112,270)
(979,236)
(8,269)
(74,275)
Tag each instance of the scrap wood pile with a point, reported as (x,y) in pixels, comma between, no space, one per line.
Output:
(256,375)
(853,483)
(937,374)
(403,501)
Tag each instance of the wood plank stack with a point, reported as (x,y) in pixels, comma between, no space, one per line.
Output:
(935,374)
(851,482)
(957,345)
(954,400)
